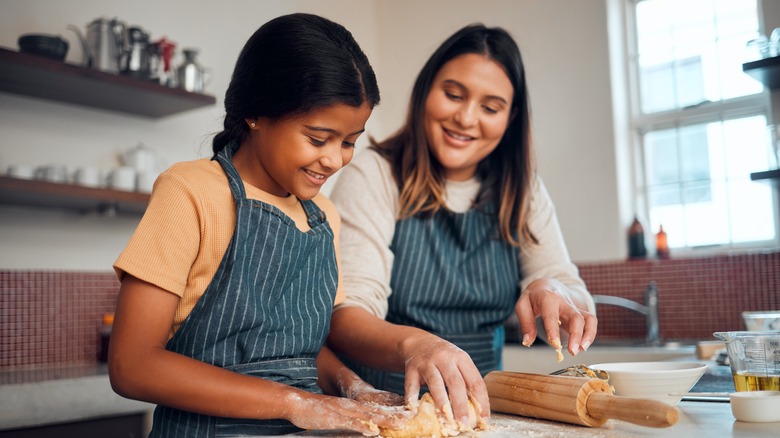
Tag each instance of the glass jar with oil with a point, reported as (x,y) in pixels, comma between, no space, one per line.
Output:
(754,358)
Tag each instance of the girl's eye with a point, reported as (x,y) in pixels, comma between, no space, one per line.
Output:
(347,144)
(452,96)
(316,142)
(490,110)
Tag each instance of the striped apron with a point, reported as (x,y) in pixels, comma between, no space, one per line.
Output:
(266,312)
(455,277)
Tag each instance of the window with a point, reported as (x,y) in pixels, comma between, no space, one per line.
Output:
(700,123)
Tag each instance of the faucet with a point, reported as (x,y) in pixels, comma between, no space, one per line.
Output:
(649,309)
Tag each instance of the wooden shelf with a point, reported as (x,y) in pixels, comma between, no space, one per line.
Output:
(767,176)
(36,76)
(766,70)
(34,193)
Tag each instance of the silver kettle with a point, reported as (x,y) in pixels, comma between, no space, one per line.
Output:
(104,44)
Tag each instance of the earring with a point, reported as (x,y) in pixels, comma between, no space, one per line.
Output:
(253,124)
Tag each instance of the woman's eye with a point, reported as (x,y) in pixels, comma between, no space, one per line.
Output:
(490,110)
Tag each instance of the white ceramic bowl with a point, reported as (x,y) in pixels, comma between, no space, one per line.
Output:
(653,380)
(756,406)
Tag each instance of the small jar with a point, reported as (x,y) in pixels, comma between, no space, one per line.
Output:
(661,244)
(105,336)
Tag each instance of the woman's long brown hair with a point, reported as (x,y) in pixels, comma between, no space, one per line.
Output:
(505,175)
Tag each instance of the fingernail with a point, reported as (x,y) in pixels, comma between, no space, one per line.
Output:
(585,345)
(575,349)
(526,340)
(463,423)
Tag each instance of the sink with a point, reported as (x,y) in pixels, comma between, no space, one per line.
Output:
(542,359)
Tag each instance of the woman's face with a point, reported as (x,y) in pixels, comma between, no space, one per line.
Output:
(298,155)
(467,112)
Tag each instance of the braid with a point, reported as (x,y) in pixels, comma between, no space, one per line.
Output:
(234,129)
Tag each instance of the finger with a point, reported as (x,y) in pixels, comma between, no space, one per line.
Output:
(412,388)
(458,394)
(525,315)
(589,334)
(552,322)
(475,385)
(574,327)
(438,391)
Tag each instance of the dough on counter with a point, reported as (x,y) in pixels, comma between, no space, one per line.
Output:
(428,423)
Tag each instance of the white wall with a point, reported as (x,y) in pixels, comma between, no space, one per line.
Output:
(565,51)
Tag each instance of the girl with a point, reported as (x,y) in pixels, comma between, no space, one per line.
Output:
(448,231)
(228,283)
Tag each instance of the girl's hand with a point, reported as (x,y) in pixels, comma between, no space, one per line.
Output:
(449,373)
(322,412)
(361,391)
(551,300)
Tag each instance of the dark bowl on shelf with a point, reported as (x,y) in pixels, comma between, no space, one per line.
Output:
(50,46)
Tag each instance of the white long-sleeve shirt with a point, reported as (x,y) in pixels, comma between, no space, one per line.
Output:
(367,198)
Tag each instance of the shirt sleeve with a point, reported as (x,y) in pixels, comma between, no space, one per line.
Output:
(366,196)
(165,244)
(550,258)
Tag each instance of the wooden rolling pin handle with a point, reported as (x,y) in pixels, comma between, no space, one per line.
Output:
(643,412)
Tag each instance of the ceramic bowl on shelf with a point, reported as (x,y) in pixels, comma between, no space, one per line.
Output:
(653,380)
(50,46)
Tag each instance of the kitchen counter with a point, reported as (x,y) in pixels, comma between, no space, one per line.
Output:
(696,419)
(33,398)
(61,395)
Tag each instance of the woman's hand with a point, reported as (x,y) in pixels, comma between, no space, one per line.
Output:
(449,373)
(322,412)
(551,300)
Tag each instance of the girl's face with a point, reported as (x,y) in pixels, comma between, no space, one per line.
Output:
(466,113)
(298,155)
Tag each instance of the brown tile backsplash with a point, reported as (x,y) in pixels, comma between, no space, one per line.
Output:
(50,318)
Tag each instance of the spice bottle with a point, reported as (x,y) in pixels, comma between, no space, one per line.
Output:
(661,244)
(105,336)
(636,240)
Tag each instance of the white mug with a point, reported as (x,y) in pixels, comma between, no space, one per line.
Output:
(55,173)
(145,181)
(88,176)
(21,171)
(122,178)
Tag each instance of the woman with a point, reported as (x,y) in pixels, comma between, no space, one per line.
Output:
(229,282)
(447,230)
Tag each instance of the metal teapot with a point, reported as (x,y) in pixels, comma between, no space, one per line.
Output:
(104,44)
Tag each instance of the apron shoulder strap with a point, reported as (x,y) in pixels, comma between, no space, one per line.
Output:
(314,214)
(225,159)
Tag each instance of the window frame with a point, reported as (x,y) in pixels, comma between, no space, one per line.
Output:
(639,123)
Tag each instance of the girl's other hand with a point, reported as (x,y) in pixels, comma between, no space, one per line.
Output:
(551,300)
(322,412)
(449,373)
(363,392)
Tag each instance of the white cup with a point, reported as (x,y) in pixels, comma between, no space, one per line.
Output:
(88,176)
(55,173)
(145,181)
(122,178)
(21,171)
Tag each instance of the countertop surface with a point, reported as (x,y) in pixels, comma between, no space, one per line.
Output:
(37,397)
(697,419)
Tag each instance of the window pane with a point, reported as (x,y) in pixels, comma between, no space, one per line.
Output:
(698,182)
(692,51)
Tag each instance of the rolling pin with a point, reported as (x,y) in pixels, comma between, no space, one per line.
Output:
(575,400)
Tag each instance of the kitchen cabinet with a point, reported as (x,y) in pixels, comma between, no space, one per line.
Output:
(33,193)
(36,76)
